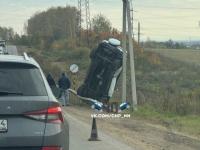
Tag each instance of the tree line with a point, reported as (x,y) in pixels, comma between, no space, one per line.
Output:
(6,33)
(60,24)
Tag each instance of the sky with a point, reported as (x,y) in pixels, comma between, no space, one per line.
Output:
(160,19)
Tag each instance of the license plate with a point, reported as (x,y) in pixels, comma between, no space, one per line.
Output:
(3,125)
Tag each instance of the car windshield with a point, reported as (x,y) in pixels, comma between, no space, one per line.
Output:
(21,79)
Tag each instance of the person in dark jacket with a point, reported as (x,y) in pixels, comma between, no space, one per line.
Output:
(50,80)
(64,84)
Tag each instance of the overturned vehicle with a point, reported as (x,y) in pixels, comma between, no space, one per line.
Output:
(104,71)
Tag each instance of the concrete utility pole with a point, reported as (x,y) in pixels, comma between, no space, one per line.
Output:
(132,64)
(125,52)
(131,14)
(138,33)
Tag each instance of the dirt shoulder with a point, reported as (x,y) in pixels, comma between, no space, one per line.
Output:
(137,133)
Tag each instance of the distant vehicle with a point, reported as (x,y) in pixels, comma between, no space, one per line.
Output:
(30,116)
(3,49)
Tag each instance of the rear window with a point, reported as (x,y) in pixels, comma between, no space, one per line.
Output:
(21,78)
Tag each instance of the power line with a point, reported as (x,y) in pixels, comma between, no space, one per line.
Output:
(158,23)
(139,33)
(169,13)
(168,7)
(165,17)
(171,28)
(169,35)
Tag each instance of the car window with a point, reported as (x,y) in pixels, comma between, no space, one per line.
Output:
(21,78)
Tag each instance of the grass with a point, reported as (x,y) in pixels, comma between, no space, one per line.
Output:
(185,124)
(186,55)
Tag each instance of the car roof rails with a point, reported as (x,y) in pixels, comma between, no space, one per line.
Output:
(26,57)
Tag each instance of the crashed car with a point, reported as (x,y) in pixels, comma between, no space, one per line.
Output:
(104,71)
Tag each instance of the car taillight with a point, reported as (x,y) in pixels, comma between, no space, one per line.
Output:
(51,148)
(52,115)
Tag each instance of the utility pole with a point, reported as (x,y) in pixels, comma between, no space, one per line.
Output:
(132,63)
(79,20)
(128,16)
(87,20)
(124,52)
(84,7)
(139,34)
(131,14)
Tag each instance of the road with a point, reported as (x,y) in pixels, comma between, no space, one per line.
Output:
(12,50)
(118,133)
(80,132)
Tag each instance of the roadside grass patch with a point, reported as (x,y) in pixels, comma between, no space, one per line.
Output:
(189,124)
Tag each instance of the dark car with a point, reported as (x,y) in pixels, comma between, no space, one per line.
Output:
(30,116)
(104,71)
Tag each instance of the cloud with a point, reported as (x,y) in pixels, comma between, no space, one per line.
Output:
(159,18)
(16,13)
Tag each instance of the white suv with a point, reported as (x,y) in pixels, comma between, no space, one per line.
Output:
(30,116)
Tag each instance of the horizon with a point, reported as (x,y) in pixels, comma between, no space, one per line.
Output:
(158,19)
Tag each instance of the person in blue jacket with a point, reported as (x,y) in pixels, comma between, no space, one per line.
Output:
(64,84)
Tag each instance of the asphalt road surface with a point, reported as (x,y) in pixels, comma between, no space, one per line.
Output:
(80,132)
(12,50)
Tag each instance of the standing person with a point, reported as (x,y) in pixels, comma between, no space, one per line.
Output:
(64,84)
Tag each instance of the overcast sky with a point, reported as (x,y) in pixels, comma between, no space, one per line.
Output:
(160,19)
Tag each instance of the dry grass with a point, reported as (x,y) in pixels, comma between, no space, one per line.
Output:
(186,55)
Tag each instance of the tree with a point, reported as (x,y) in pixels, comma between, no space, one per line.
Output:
(101,24)
(6,33)
(169,43)
(53,24)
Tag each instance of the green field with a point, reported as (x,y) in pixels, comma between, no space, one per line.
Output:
(186,55)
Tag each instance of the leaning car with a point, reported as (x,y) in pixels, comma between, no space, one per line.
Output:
(104,71)
(30,116)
